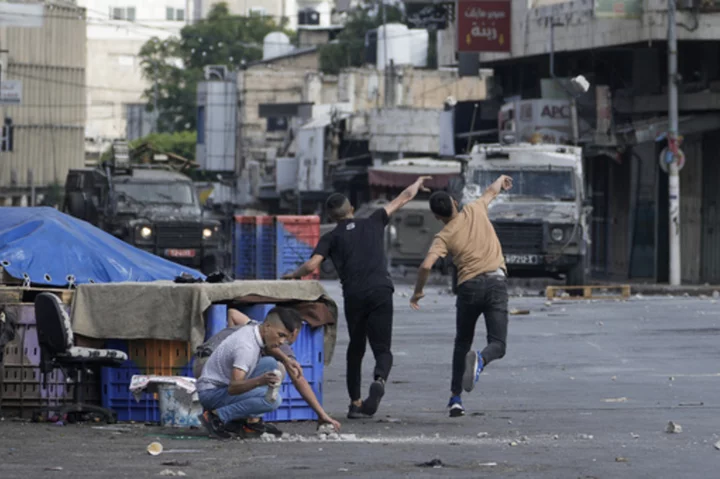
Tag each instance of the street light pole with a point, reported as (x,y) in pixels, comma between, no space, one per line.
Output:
(673,149)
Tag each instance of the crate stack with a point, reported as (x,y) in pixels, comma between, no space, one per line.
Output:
(267,247)
(22,387)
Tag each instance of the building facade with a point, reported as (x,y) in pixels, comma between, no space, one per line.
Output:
(43,98)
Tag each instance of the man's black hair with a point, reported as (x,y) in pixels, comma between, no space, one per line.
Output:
(337,206)
(441,204)
(290,318)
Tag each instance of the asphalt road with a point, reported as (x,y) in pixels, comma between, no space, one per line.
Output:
(585,391)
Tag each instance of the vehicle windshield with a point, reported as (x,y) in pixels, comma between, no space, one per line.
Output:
(158,193)
(555,184)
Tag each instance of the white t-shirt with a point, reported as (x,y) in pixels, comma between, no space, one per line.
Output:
(241,350)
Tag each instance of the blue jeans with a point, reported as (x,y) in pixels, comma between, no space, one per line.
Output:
(241,406)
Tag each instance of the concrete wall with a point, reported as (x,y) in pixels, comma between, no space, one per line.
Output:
(49,123)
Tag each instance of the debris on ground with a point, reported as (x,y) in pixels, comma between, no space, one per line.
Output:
(435,464)
(483,434)
(325,429)
(392,420)
(556,437)
(622,399)
(155,448)
(54,468)
(343,469)
(516,312)
(176,463)
(621,459)
(513,443)
(586,436)
(673,428)
(170,472)
(488,464)
(634,436)
(717,445)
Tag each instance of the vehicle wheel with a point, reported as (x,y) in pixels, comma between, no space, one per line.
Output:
(577,276)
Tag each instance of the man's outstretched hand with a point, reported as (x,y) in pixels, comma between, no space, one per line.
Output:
(415,300)
(328,420)
(419,186)
(506,182)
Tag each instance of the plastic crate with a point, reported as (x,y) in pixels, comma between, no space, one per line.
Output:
(245,247)
(22,387)
(215,320)
(265,248)
(297,237)
(148,356)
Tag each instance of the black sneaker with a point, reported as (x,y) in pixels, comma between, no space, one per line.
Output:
(262,427)
(214,425)
(455,407)
(356,412)
(377,391)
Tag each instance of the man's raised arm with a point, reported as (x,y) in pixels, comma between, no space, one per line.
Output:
(504,182)
(407,195)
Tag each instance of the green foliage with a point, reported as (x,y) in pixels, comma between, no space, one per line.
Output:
(181,143)
(349,48)
(176,64)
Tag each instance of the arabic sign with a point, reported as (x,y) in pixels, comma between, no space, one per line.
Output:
(432,17)
(10,92)
(483,26)
(618,8)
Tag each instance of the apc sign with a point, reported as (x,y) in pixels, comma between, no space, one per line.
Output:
(556,112)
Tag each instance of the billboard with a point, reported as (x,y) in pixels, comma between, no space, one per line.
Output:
(483,26)
(618,8)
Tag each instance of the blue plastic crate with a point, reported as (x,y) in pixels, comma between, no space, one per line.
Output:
(295,239)
(215,320)
(265,248)
(245,247)
(115,393)
(255,311)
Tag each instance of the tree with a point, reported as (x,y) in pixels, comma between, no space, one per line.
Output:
(180,143)
(175,66)
(349,48)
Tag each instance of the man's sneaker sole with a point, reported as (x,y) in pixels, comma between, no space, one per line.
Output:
(356,413)
(471,365)
(372,403)
(456,410)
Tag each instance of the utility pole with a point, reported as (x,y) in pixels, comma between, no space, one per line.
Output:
(673,149)
(155,99)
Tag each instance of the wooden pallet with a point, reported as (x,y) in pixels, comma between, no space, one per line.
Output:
(20,294)
(6,279)
(587,291)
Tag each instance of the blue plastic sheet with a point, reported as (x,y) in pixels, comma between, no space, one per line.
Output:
(53,248)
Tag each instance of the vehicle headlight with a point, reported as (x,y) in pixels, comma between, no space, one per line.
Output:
(207,233)
(145,232)
(557,234)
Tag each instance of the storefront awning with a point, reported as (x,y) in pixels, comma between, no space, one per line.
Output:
(401,173)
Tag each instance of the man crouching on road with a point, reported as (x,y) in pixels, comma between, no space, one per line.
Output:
(233,385)
(284,354)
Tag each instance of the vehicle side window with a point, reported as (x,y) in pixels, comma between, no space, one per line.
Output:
(414,220)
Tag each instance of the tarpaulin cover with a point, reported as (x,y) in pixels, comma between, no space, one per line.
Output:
(50,247)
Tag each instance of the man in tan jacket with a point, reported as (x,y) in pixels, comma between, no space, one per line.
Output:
(470,238)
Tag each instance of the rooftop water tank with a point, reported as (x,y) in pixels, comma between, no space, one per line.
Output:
(396,37)
(419,40)
(276,44)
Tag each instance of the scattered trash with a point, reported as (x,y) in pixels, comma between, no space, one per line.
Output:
(435,464)
(634,436)
(488,464)
(556,437)
(54,468)
(111,428)
(586,436)
(342,469)
(613,378)
(717,445)
(483,434)
(519,311)
(621,459)
(548,303)
(600,323)
(673,428)
(176,463)
(622,399)
(392,420)
(513,443)
(170,472)
(155,448)
(691,404)
(672,378)
(524,439)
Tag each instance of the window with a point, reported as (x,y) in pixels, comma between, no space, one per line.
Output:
(173,14)
(122,13)
(257,11)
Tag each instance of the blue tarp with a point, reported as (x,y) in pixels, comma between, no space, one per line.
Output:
(50,246)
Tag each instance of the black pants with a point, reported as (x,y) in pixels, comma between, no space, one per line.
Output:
(486,295)
(369,319)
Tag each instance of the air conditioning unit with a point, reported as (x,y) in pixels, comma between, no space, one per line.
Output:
(216,72)
(308,16)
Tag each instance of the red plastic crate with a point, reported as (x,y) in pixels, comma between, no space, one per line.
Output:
(297,237)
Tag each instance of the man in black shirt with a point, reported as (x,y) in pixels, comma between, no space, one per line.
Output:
(357,249)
